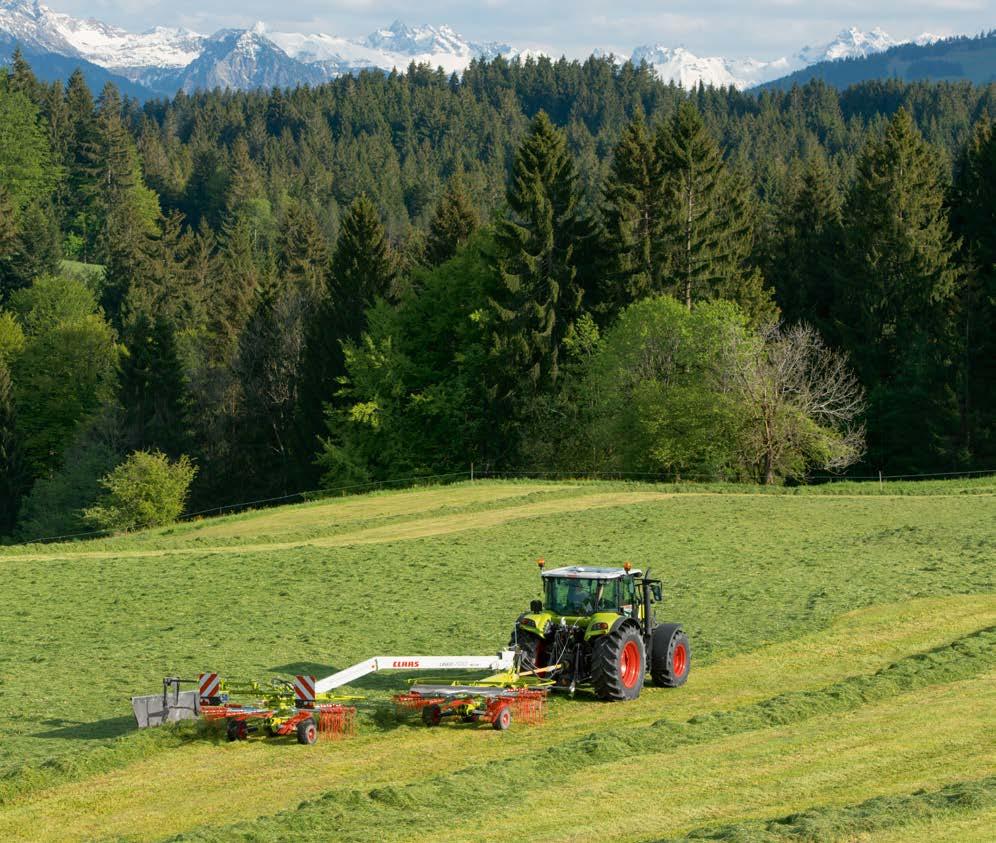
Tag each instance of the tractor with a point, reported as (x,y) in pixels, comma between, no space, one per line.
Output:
(596,626)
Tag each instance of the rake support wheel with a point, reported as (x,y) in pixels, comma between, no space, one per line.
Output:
(503,718)
(619,664)
(307,732)
(432,715)
(672,656)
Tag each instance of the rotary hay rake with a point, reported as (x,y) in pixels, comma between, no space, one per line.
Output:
(473,703)
(308,709)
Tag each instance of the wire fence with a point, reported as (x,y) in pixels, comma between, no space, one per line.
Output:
(672,478)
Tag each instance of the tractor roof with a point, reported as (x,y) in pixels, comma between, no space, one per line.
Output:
(589,572)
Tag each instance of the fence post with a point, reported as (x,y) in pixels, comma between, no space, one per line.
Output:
(471,472)
(880,478)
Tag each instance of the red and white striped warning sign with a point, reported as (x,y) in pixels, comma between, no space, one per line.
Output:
(210,685)
(304,688)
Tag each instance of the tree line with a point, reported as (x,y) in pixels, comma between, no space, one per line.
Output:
(542,264)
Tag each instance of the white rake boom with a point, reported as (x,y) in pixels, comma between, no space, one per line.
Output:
(502,661)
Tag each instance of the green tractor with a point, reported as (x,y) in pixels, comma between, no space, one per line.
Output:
(596,626)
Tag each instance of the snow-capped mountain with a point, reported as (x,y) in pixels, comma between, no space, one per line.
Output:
(688,70)
(164,60)
(849,44)
(678,65)
(394,47)
(854,44)
(242,59)
(30,23)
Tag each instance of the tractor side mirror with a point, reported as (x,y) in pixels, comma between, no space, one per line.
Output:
(657,592)
(535,606)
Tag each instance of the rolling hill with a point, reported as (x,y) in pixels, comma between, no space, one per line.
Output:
(844,666)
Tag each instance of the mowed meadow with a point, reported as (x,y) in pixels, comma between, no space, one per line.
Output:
(842,688)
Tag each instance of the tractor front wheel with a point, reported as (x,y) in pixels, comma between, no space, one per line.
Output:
(619,664)
(672,656)
(531,650)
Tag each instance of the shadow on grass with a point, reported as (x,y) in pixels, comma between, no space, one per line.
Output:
(110,727)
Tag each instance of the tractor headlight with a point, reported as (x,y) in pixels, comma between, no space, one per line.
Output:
(600,625)
(528,622)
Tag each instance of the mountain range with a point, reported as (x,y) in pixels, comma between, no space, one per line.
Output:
(165,60)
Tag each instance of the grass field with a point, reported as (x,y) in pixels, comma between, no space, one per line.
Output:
(843,682)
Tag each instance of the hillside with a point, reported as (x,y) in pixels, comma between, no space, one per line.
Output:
(843,667)
(951,60)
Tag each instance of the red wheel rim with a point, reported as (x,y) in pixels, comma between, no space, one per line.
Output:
(679,661)
(312,734)
(629,664)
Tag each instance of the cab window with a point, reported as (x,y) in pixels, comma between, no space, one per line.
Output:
(628,603)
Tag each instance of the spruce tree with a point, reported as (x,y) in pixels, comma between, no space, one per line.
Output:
(29,245)
(152,389)
(975,222)
(631,217)
(12,472)
(245,199)
(82,149)
(302,251)
(808,248)
(207,187)
(126,210)
(164,288)
(8,245)
(235,287)
(268,365)
(540,294)
(363,270)
(23,80)
(452,224)
(706,236)
(201,268)
(897,284)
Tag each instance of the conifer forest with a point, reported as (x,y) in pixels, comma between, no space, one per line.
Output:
(553,266)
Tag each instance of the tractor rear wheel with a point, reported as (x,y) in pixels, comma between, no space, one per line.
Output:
(672,656)
(619,664)
(307,732)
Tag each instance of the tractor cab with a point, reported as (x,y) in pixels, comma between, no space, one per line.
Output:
(581,591)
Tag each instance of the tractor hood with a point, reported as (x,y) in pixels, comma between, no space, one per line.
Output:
(541,623)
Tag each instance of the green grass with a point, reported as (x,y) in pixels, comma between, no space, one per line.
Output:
(878,814)
(833,620)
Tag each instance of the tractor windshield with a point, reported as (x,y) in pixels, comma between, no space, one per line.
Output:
(574,597)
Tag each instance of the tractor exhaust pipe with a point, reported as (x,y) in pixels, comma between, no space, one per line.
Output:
(648,625)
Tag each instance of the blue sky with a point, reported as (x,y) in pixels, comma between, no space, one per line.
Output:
(765,29)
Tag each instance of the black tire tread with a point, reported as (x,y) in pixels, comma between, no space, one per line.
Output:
(666,637)
(302,731)
(605,656)
(529,646)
